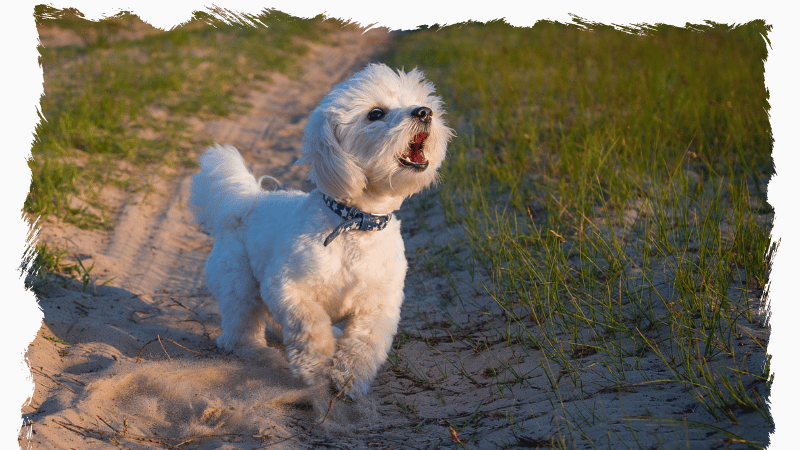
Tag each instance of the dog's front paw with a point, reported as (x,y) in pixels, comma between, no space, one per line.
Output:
(354,367)
(252,350)
(240,344)
(308,362)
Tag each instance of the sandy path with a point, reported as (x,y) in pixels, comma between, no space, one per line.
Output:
(84,359)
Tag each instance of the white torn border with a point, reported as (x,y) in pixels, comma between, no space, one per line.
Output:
(22,88)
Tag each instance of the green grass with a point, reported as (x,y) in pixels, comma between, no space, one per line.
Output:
(612,187)
(44,265)
(113,99)
(57,341)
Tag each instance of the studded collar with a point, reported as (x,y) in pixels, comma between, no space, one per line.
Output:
(354,219)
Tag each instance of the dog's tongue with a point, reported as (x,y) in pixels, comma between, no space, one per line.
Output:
(415,148)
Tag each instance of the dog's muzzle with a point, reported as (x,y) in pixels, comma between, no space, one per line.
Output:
(414,155)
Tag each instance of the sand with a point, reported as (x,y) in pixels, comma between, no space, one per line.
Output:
(131,362)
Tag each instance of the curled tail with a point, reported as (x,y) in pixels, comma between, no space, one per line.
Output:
(224,190)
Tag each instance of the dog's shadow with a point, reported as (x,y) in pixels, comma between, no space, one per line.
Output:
(121,355)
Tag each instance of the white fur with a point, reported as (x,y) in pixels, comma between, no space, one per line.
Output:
(269,266)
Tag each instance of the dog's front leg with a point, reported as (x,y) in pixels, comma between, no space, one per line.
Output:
(364,348)
(307,335)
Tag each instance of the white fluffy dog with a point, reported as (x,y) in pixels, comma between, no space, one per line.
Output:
(301,262)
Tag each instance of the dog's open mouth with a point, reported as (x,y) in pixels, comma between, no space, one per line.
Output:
(414,156)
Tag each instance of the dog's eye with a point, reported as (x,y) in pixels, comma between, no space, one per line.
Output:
(376,114)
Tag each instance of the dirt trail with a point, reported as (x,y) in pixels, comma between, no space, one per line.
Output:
(94,358)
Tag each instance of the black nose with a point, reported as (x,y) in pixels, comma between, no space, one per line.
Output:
(423,114)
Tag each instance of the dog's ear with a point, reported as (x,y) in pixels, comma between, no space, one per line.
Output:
(333,169)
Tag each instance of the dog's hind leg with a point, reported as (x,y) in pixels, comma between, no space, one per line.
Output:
(230,279)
